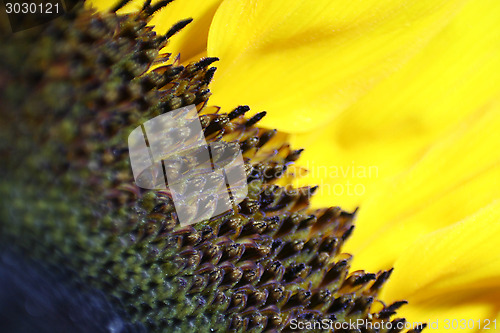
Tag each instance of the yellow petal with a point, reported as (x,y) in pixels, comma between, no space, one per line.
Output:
(193,38)
(452,273)
(105,5)
(304,61)
(461,256)
(388,128)
(455,178)
(346,175)
(454,75)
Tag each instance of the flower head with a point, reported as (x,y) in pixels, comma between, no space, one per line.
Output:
(91,77)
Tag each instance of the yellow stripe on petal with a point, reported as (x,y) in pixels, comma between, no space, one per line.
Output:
(453,273)
(463,256)
(453,76)
(347,175)
(453,180)
(305,61)
(388,128)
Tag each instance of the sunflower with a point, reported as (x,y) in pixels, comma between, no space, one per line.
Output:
(396,103)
